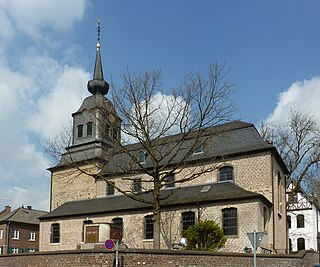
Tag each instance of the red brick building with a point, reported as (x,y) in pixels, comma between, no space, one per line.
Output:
(19,230)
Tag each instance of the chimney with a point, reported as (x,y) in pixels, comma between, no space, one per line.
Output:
(7,210)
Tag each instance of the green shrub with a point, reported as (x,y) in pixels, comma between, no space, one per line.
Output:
(205,235)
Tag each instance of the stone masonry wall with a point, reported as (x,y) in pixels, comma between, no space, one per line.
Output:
(161,258)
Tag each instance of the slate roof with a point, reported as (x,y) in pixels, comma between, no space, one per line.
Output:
(217,192)
(226,140)
(23,215)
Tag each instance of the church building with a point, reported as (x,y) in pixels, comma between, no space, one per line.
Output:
(244,192)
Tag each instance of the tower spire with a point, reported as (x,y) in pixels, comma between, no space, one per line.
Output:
(98,84)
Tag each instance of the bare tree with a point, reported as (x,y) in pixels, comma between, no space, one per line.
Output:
(298,142)
(167,126)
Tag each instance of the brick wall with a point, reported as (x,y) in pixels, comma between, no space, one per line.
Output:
(162,258)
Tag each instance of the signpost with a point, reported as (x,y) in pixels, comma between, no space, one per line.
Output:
(109,245)
(255,239)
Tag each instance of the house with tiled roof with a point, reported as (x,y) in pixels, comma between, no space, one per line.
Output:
(244,191)
(19,230)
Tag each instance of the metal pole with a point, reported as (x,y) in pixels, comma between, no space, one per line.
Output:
(117,253)
(254,248)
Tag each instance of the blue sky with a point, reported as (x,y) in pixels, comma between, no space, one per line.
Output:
(47,51)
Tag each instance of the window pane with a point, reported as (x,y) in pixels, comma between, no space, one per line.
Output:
(226,174)
(188,219)
(55,233)
(80,130)
(110,189)
(229,221)
(141,157)
(300,221)
(170,181)
(301,244)
(148,227)
(89,128)
(137,186)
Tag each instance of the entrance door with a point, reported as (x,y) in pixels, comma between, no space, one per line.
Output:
(92,234)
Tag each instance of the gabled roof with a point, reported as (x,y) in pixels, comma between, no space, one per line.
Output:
(23,215)
(184,196)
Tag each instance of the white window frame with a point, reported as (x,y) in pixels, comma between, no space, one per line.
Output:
(15,234)
(32,236)
(31,250)
(15,250)
(1,233)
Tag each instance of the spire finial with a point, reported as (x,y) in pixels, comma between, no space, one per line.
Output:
(98,84)
(98,40)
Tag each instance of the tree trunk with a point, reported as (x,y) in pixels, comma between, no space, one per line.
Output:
(156,214)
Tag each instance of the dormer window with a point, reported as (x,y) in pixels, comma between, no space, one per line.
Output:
(142,157)
(226,174)
(80,130)
(89,128)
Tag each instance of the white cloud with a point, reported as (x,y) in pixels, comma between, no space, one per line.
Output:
(301,96)
(34,16)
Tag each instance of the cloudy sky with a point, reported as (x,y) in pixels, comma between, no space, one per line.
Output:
(47,51)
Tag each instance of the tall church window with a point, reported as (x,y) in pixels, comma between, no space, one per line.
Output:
(229,221)
(300,221)
(89,128)
(226,174)
(80,130)
(301,243)
(55,233)
(280,193)
(148,227)
(188,219)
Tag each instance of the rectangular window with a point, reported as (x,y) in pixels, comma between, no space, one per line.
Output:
(137,186)
(32,236)
(89,128)
(110,189)
(80,130)
(15,234)
(188,219)
(148,228)
(170,181)
(55,233)
(31,250)
(0,250)
(15,250)
(1,233)
(229,221)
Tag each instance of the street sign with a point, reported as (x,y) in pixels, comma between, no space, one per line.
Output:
(259,236)
(109,244)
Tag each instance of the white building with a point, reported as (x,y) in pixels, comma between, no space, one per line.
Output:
(303,222)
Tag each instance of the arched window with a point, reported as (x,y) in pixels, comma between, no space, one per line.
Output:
(188,218)
(137,187)
(289,221)
(118,222)
(229,221)
(301,243)
(226,174)
(148,227)
(300,221)
(141,157)
(55,233)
